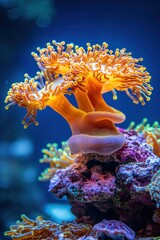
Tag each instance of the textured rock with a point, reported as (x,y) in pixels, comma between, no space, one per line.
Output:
(122,186)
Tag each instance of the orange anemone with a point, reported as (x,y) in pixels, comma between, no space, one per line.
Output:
(98,67)
(66,69)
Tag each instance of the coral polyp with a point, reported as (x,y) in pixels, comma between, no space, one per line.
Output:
(58,158)
(45,229)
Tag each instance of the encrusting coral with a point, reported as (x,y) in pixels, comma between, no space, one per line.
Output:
(154,188)
(115,229)
(151,133)
(110,175)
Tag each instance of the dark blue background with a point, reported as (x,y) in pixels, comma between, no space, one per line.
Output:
(134,25)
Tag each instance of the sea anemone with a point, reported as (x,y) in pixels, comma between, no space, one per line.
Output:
(58,158)
(68,69)
(98,67)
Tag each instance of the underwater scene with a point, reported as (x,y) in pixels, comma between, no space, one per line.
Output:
(80,120)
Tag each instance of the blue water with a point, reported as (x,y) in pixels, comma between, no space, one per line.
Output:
(134,25)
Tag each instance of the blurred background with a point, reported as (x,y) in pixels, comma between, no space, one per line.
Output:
(27,24)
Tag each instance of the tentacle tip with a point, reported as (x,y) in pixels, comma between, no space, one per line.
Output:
(40,178)
(7,233)
(115,97)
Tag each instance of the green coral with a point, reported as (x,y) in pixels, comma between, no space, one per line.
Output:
(154,188)
(58,158)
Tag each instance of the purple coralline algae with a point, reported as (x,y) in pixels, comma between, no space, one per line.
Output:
(84,185)
(122,186)
(154,188)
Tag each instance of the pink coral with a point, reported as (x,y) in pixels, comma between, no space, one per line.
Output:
(84,185)
(114,229)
